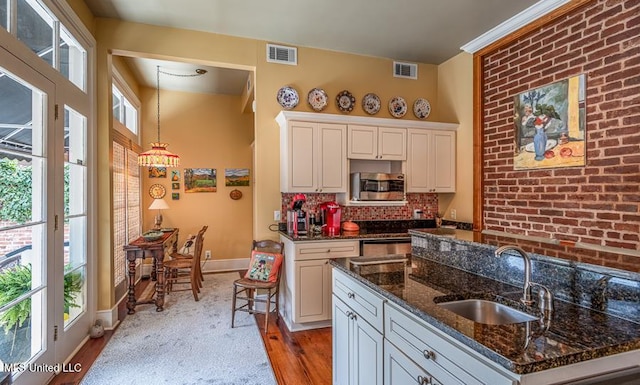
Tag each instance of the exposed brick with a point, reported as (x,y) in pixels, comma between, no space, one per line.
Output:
(600,202)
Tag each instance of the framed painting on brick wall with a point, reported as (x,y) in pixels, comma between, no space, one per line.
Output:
(550,125)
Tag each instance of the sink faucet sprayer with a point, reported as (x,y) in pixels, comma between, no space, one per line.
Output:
(545,295)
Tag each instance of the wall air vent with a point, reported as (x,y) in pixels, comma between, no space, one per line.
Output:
(281,54)
(405,70)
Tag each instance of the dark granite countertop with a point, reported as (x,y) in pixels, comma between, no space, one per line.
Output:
(372,229)
(572,334)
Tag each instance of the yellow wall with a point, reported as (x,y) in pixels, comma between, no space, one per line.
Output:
(332,71)
(207,131)
(455,102)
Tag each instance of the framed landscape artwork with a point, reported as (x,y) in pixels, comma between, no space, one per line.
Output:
(157,172)
(236,177)
(200,180)
(550,125)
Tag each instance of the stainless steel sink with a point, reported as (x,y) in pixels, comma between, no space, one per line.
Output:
(487,312)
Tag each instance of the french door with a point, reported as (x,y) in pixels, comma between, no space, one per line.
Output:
(43,223)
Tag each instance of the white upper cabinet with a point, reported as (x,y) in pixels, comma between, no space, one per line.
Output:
(313,157)
(381,143)
(431,161)
(315,148)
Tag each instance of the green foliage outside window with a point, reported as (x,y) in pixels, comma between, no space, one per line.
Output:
(15,191)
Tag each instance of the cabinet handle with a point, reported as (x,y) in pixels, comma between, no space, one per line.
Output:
(350,295)
(349,313)
(429,354)
(353,316)
(424,380)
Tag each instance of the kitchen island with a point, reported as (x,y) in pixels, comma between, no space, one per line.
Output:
(595,327)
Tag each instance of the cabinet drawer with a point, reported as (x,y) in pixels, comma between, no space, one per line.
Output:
(400,370)
(435,352)
(326,249)
(361,299)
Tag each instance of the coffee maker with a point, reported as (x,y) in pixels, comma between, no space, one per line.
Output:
(297,221)
(330,213)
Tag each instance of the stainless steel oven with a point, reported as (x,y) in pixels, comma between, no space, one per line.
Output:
(385,246)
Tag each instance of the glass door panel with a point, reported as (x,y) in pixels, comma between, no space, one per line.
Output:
(75,222)
(25,237)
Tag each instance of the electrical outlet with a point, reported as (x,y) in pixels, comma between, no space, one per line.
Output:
(207,254)
(453,214)
(276,215)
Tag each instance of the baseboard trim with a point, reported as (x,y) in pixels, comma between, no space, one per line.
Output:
(109,317)
(221,265)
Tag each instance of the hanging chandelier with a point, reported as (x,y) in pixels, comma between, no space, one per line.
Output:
(158,156)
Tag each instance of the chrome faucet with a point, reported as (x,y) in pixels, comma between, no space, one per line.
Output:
(526,295)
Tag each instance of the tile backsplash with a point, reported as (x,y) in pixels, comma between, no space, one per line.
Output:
(426,202)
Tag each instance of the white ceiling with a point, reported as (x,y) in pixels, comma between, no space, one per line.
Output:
(425,31)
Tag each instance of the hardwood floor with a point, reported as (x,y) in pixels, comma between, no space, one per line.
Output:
(300,358)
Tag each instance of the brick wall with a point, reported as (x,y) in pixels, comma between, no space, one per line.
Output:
(600,202)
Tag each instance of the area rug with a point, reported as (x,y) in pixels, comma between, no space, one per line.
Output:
(188,343)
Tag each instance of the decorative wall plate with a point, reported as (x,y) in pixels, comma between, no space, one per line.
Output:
(397,107)
(421,108)
(371,103)
(345,101)
(317,99)
(157,191)
(288,97)
(235,194)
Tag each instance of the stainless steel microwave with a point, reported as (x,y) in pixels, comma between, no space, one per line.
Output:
(369,186)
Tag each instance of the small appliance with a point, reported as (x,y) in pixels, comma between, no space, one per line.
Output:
(370,186)
(330,215)
(297,220)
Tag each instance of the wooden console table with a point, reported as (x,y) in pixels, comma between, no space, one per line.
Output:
(141,249)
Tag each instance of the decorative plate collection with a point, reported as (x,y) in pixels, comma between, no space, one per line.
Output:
(317,99)
(397,107)
(371,103)
(421,108)
(345,101)
(288,97)
(157,191)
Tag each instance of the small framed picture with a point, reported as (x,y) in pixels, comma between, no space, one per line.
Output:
(175,175)
(175,196)
(157,172)
(175,186)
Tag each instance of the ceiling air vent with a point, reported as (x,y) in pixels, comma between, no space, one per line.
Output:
(281,54)
(405,70)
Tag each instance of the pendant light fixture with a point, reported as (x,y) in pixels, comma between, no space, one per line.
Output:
(158,156)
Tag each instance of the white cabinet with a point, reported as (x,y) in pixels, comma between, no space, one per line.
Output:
(381,143)
(307,280)
(400,370)
(313,157)
(435,353)
(357,333)
(431,161)
(357,348)
(313,288)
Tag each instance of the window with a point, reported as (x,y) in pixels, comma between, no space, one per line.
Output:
(42,32)
(125,106)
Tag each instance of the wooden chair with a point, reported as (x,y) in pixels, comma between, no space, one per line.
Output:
(244,289)
(189,256)
(185,269)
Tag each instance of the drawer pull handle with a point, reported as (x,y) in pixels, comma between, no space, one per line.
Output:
(349,313)
(351,295)
(353,316)
(429,354)
(424,380)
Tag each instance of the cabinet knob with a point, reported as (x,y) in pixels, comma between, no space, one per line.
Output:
(349,314)
(429,354)
(351,295)
(424,380)
(353,316)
